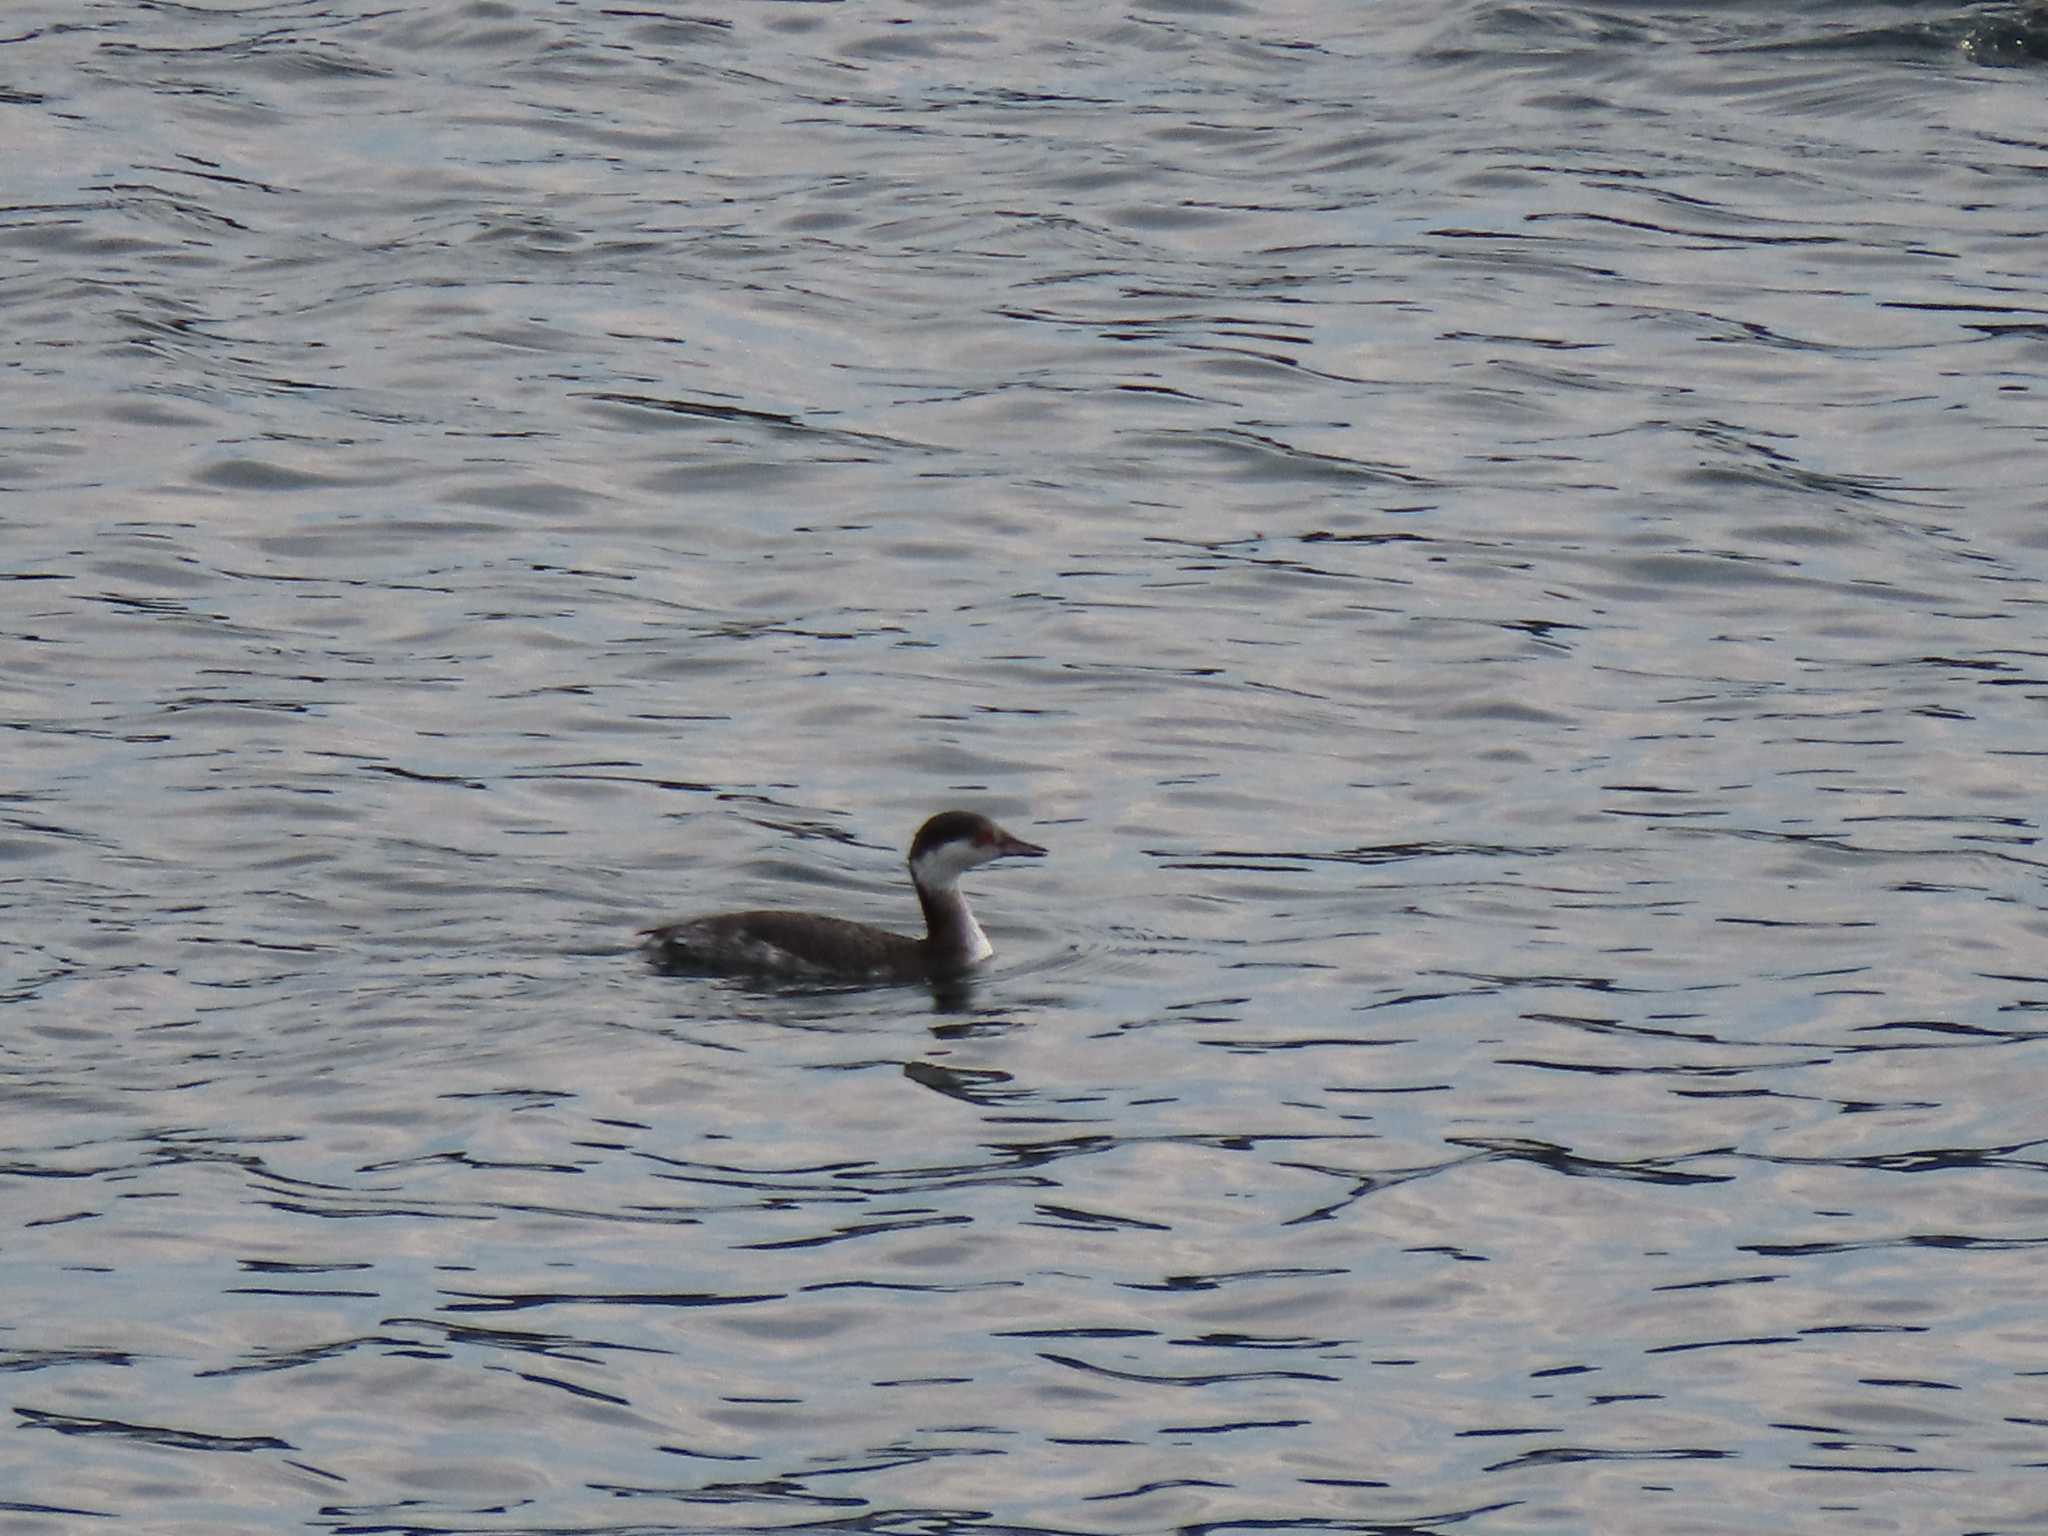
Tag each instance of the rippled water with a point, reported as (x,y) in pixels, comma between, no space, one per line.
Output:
(1499,545)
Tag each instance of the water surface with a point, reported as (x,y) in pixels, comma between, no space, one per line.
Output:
(1500,547)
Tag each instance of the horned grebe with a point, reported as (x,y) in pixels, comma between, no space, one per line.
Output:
(815,947)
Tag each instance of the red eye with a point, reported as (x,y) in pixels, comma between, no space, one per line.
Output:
(983,839)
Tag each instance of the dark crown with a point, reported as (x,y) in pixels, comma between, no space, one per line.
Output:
(950,827)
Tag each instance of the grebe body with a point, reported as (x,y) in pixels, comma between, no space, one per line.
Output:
(812,946)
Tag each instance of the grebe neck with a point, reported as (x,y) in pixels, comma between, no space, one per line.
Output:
(953,938)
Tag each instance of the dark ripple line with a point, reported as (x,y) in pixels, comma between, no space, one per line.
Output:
(1714,1285)
(1740,1343)
(865,1229)
(1565,1454)
(708,410)
(1611,1069)
(772,1491)
(1927,1160)
(1420,1526)
(1970,1034)
(911,1287)
(1075,1333)
(484,1301)
(314,1354)
(551,1346)
(1649,1170)
(24,1360)
(307,1293)
(1072,1217)
(1365,1185)
(1154,1487)
(1254,1341)
(1871,1467)
(1381,853)
(1911,1240)
(573,1389)
(153,1434)
(1232,1427)
(1160,1380)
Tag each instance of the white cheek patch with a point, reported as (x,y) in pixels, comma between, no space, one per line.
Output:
(944,865)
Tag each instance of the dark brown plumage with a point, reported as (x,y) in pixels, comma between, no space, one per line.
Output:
(812,946)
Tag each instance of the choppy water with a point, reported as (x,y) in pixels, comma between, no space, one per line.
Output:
(1500,545)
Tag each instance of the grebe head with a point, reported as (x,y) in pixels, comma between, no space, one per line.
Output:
(953,842)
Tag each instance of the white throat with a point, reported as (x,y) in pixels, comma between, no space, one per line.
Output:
(937,873)
(974,944)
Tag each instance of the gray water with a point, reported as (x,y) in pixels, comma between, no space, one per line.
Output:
(1500,546)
